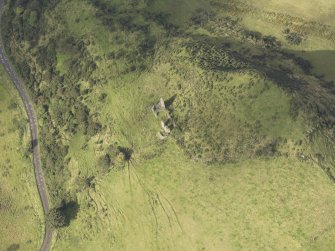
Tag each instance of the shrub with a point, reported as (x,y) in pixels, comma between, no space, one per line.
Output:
(286,31)
(304,64)
(271,42)
(255,35)
(55,219)
(62,216)
(294,38)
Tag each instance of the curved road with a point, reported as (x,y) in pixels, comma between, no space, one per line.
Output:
(34,135)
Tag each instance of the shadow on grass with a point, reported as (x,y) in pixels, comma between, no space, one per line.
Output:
(170,101)
(69,210)
(13,247)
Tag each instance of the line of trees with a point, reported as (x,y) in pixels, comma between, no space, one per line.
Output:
(62,110)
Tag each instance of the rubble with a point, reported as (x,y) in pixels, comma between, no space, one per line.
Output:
(166,126)
(156,109)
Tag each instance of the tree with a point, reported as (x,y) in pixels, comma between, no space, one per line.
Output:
(271,42)
(255,35)
(55,219)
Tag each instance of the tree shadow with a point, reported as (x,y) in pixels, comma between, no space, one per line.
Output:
(322,62)
(127,152)
(13,247)
(69,210)
(169,102)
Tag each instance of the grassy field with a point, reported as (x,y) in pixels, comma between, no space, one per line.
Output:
(251,123)
(321,11)
(21,226)
(308,18)
(170,202)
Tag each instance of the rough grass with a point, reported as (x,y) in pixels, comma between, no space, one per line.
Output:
(317,46)
(171,202)
(163,200)
(321,11)
(235,174)
(81,21)
(20,208)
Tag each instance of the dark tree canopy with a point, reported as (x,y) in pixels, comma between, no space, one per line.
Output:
(55,219)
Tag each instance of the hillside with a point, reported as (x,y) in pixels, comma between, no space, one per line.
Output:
(245,156)
(21,214)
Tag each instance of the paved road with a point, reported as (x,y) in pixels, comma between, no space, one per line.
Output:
(34,135)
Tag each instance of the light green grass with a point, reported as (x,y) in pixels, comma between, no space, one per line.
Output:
(311,43)
(316,10)
(20,207)
(268,204)
(166,201)
(82,23)
(169,196)
(317,48)
(272,204)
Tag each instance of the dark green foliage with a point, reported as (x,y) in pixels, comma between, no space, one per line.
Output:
(127,152)
(147,45)
(255,35)
(62,100)
(69,210)
(119,19)
(161,19)
(85,182)
(24,19)
(47,55)
(123,18)
(304,64)
(286,31)
(61,216)
(271,42)
(200,17)
(55,219)
(294,109)
(293,38)
(213,56)
(270,149)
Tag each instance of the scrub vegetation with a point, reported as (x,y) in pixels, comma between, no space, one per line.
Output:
(240,158)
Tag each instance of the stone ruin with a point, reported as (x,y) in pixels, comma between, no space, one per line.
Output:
(156,109)
(167,125)
(165,128)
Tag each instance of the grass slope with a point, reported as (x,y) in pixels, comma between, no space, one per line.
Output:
(253,124)
(277,205)
(20,209)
